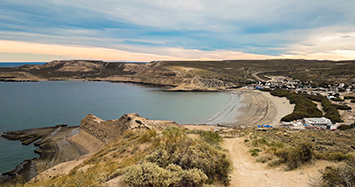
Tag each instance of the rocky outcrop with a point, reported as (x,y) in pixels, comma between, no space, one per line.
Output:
(54,147)
(109,130)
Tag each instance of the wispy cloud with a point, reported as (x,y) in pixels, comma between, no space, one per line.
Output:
(294,28)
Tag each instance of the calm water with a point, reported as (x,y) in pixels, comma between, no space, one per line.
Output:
(15,64)
(40,104)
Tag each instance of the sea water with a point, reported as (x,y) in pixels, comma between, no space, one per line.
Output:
(25,105)
(16,64)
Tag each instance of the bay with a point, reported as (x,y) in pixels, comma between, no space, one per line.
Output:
(16,64)
(25,105)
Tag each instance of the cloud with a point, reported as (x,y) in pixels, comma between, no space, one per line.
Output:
(10,51)
(331,43)
(261,27)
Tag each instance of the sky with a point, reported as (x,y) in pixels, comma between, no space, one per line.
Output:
(143,31)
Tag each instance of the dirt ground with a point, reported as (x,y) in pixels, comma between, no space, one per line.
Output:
(249,173)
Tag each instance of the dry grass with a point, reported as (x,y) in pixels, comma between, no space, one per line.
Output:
(136,147)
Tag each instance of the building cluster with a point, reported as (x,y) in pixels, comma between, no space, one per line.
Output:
(313,123)
(307,87)
(287,83)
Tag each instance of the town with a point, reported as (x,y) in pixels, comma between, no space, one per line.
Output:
(339,94)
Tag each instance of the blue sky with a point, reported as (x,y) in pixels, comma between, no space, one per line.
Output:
(139,30)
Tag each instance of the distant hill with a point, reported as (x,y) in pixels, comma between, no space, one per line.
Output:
(187,75)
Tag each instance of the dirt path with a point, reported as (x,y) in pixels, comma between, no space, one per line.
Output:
(248,173)
(255,75)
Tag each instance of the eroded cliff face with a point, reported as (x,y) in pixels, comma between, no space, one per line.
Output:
(64,143)
(110,130)
(180,78)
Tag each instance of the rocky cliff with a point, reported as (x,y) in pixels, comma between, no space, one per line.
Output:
(109,130)
(154,73)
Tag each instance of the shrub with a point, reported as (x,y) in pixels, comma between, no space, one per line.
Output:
(343,107)
(211,137)
(150,174)
(338,156)
(275,162)
(259,142)
(188,154)
(349,97)
(331,111)
(255,152)
(265,158)
(294,157)
(337,99)
(147,136)
(304,107)
(299,155)
(339,176)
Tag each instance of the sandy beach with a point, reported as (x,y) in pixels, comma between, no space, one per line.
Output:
(255,108)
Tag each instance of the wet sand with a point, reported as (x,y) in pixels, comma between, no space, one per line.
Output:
(255,108)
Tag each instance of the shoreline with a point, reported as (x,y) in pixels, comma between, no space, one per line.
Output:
(252,108)
(247,108)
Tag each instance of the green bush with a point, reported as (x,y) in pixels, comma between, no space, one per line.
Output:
(150,174)
(259,142)
(331,111)
(189,154)
(336,99)
(342,176)
(295,157)
(299,155)
(147,136)
(342,107)
(349,97)
(353,101)
(304,107)
(212,138)
(255,152)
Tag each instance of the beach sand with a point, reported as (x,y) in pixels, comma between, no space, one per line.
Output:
(255,108)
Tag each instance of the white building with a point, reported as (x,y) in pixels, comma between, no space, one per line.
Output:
(292,125)
(317,122)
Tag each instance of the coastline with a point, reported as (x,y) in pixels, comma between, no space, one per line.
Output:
(251,108)
(247,108)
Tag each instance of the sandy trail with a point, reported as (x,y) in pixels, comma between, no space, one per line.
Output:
(249,173)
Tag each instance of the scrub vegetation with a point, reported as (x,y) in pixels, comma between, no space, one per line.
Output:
(306,108)
(240,71)
(153,158)
(293,148)
(341,176)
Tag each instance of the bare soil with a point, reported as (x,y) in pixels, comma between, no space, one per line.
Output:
(249,173)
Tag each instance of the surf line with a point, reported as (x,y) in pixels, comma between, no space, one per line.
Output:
(226,112)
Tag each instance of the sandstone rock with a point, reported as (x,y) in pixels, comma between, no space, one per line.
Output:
(109,130)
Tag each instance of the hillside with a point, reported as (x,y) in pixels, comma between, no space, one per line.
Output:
(162,153)
(137,152)
(187,75)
